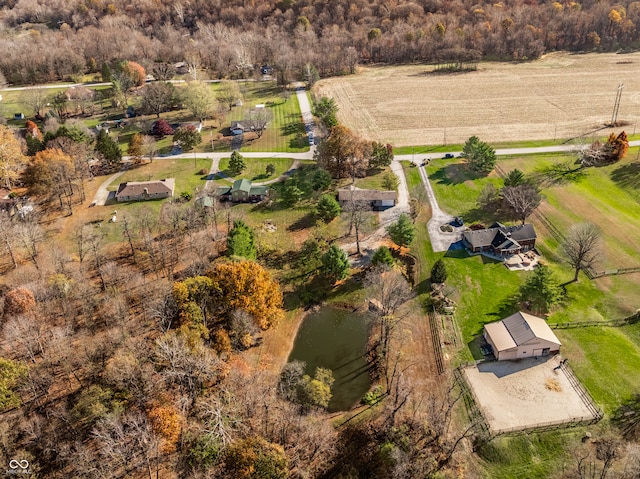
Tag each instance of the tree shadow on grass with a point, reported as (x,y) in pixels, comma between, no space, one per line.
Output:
(627,418)
(307,221)
(559,173)
(292,128)
(482,214)
(627,176)
(455,174)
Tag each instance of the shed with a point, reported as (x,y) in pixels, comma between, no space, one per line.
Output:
(521,335)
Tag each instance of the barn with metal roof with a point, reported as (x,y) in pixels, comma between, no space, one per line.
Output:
(521,335)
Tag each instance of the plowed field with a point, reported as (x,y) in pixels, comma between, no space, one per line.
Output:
(559,96)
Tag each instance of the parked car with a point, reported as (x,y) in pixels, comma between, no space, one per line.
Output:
(311,139)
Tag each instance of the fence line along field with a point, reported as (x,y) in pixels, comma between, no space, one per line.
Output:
(562,95)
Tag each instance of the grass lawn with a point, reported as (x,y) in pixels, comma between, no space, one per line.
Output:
(534,456)
(184,170)
(256,168)
(285,132)
(457,188)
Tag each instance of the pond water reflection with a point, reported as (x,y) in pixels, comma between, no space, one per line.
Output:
(336,339)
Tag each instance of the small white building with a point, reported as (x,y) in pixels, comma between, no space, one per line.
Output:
(521,335)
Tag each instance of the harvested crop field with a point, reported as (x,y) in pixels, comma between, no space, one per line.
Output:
(562,95)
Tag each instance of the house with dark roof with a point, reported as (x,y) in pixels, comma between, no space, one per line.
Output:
(243,191)
(501,240)
(145,190)
(521,335)
(239,127)
(379,200)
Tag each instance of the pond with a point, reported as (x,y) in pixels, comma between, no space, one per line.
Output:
(336,339)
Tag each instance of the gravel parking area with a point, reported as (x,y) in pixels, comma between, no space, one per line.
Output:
(525,393)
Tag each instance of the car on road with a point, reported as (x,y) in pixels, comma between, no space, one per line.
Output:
(311,139)
(448,156)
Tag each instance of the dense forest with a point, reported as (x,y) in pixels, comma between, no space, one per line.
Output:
(63,39)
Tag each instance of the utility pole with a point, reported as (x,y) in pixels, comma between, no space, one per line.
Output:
(616,105)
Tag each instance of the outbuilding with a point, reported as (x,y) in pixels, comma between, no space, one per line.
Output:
(521,335)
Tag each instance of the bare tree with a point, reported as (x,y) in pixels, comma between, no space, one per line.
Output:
(258,119)
(8,236)
(582,247)
(229,93)
(29,235)
(187,366)
(522,199)
(36,99)
(150,147)
(359,212)
(126,441)
(388,290)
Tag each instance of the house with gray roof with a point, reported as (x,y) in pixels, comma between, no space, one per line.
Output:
(243,191)
(379,200)
(501,240)
(521,335)
(145,190)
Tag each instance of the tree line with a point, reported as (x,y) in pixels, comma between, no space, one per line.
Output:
(62,40)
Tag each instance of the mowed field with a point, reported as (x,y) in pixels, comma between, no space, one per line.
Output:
(560,96)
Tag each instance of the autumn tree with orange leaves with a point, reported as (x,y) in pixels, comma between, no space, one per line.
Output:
(52,172)
(246,286)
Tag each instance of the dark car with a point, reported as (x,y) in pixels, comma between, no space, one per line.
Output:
(448,156)
(457,222)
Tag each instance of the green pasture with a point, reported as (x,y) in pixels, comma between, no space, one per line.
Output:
(256,168)
(607,361)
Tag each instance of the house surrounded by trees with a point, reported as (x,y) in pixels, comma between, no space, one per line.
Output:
(145,190)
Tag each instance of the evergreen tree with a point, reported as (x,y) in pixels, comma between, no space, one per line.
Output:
(236,163)
(382,256)
(439,272)
(241,241)
(480,156)
(402,231)
(108,149)
(335,264)
(514,178)
(541,289)
(327,208)
(290,193)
